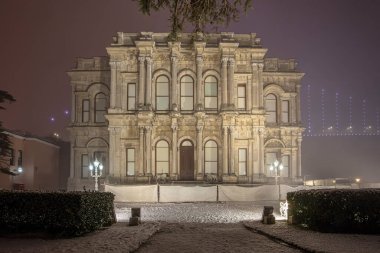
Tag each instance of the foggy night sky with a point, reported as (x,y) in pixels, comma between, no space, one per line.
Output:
(335,42)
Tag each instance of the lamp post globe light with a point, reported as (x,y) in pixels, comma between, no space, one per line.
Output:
(96,169)
(277,167)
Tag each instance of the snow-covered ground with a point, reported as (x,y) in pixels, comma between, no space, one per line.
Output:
(203,212)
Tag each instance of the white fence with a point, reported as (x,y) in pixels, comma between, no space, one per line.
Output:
(206,193)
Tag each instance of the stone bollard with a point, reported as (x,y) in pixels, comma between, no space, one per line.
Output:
(268,217)
(135,219)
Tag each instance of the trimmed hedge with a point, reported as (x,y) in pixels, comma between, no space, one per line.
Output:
(60,213)
(336,210)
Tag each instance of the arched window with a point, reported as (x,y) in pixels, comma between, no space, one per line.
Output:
(271,108)
(162,93)
(211,93)
(100,107)
(211,157)
(187,93)
(162,157)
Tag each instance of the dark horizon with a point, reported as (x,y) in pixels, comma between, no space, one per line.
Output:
(334,42)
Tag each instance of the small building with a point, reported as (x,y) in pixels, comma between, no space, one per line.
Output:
(204,108)
(36,163)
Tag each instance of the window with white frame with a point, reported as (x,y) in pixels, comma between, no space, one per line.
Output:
(271,108)
(242,161)
(211,93)
(84,166)
(100,107)
(187,93)
(162,157)
(241,98)
(285,111)
(162,93)
(85,110)
(131,162)
(211,157)
(131,106)
(270,158)
(285,163)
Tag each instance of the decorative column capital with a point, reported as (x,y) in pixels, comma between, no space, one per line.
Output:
(174,58)
(148,59)
(199,129)
(231,61)
(224,61)
(261,132)
(113,64)
(199,60)
(141,59)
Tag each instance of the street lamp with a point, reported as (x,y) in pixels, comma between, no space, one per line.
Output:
(96,171)
(276,166)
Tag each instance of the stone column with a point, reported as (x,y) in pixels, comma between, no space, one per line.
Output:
(148,147)
(199,81)
(199,150)
(174,151)
(141,80)
(261,151)
(293,110)
(148,88)
(113,84)
(224,81)
(73,102)
(141,151)
(232,150)
(260,68)
(118,86)
(299,140)
(174,82)
(298,89)
(231,88)
(255,86)
(112,150)
(72,159)
(225,150)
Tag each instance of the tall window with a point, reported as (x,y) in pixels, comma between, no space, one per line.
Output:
(285,111)
(241,97)
(131,161)
(271,108)
(100,107)
(242,161)
(12,157)
(211,157)
(162,157)
(211,93)
(131,97)
(270,157)
(285,162)
(187,93)
(19,160)
(84,165)
(85,110)
(162,93)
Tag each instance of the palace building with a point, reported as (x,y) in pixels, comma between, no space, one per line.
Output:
(204,108)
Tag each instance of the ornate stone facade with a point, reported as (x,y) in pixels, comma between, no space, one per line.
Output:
(203,108)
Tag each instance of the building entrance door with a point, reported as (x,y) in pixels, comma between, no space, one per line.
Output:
(187,161)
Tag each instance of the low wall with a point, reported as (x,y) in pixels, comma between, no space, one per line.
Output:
(133,193)
(188,193)
(203,193)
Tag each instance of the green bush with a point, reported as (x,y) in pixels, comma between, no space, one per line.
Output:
(336,210)
(62,213)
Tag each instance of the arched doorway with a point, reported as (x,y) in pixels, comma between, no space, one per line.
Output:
(187,161)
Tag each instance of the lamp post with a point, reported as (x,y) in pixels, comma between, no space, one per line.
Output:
(96,171)
(276,166)
(16,173)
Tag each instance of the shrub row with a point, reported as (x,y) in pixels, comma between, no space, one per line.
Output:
(60,213)
(336,210)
